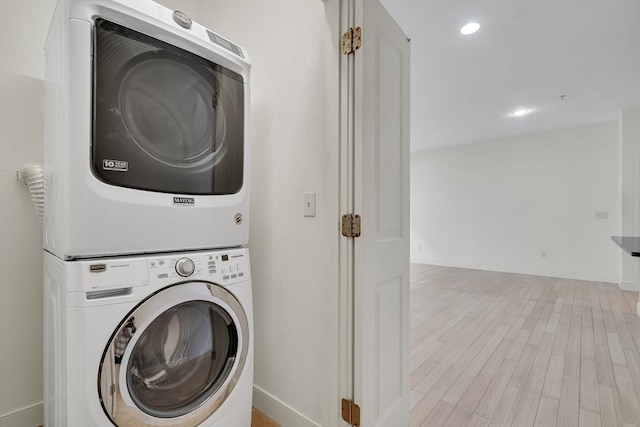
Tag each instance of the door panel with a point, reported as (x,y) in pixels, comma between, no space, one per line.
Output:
(388,137)
(389,344)
(381,196)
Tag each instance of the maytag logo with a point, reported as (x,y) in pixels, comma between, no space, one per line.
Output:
(184,201)
(115,165)
(97,268)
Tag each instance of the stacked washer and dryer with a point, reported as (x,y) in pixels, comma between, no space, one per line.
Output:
(148,302)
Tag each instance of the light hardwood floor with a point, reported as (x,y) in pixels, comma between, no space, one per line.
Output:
(500,349)
(258,419)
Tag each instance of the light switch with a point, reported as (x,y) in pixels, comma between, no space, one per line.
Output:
(309,203)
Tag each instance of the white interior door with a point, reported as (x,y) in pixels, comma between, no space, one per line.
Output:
(379,163)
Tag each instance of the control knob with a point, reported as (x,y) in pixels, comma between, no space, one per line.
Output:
(185,267)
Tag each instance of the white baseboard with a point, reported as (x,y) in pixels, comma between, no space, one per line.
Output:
(516,270)
(638,309)
(628,286)
(26,417)
(263,401)
(278,411)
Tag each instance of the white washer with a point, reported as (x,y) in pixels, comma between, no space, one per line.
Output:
(149,341)
(146,132)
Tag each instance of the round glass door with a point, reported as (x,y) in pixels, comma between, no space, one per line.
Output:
(175,358)
(172,112)
(181,359)
(165,119)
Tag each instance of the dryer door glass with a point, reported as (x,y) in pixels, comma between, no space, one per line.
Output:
(181,359)
(165,119)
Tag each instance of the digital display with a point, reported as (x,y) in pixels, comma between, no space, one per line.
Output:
(225,257)
(225,43)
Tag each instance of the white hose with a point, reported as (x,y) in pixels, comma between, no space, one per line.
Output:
(32,174)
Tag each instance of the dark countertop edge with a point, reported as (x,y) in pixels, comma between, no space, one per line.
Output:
(629,244)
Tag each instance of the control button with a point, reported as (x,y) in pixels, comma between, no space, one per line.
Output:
(212,270)
(211,263)
(185,267)
(233,276)
(225,277)
(163,276)
(240,274)
(153,264)
(161,262)
(182,19)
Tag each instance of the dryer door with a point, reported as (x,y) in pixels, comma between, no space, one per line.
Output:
(165,119)
(177,357)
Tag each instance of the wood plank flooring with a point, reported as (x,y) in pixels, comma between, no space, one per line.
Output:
(258,419)
(501,349)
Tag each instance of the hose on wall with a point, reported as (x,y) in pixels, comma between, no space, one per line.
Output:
(32,175)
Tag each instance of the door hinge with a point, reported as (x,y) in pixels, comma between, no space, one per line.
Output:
(351,40)
(351,412)
(351,225)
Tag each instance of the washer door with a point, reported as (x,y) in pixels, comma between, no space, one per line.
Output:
(175,358)
(165,119)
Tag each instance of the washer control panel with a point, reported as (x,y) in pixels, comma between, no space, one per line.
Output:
(221,267)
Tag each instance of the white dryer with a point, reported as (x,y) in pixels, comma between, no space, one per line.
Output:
(146,132)
(149,341)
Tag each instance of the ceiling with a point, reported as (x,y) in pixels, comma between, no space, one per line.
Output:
(571,62)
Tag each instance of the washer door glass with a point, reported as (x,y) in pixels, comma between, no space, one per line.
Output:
(181,359)
(175,358)
(165,119)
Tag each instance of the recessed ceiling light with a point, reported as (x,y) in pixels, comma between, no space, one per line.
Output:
(520,113)
(470,28)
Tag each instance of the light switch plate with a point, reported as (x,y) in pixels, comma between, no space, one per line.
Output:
(310,203)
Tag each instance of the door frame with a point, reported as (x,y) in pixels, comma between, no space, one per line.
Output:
(346,307)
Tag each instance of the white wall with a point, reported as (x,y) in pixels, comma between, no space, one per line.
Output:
(629,138)
(637,180)
(498,205)
(294,137)
(630,194)
(23,29)
(294,133)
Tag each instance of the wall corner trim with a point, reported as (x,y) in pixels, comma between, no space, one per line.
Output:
(279,411)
